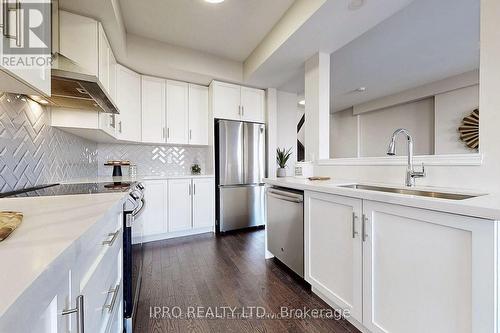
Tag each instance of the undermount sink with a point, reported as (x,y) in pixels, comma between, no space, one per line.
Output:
(421,193)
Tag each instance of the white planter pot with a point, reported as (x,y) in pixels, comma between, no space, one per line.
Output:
(281,172)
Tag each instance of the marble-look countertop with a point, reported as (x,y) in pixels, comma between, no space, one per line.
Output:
(107,179)
(51,225)
(485,205)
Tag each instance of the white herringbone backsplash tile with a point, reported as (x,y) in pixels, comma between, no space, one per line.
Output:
(34,153)
(153,159)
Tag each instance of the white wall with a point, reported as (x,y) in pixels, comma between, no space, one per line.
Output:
(151,57)
(377,127)
(287,126)
(453,106)
(485,177)
(343,134)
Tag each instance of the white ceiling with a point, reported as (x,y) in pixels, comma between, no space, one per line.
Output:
(231,29)
(329,29)
(427,41)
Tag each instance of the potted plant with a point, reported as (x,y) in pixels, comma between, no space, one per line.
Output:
(282,157)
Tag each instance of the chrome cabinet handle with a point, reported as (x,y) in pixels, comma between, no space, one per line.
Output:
(168,132)
(120,126)
(113,291)
(80,320)
(112,240)
(354,232)
(194,189)
(6,21)
(190,134)
(189,191)
(363,228)
(18,23)
(242,110)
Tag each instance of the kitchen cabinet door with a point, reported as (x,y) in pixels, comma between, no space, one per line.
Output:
(333,249)
(128,100)
(154,217)
(84,50)
(198,115)
(226,100)
(253,105)
(179,203)
(20,79)
(103,58)
(426,271)
(177,112)
(112,74)
(153,109)
(203,202)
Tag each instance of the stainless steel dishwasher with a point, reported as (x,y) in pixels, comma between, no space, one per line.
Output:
(285,227)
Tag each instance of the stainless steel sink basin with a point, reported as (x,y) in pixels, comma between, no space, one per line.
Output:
(421,193)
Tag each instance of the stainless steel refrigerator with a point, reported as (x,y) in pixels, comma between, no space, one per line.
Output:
(240,152)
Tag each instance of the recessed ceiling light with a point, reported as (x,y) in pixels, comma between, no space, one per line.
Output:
(361,89)
(214,1)
(356,4)
(302,102)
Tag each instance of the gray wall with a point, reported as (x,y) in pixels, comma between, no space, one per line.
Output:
(33,153)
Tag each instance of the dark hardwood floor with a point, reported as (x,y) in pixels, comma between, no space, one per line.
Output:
(207,273)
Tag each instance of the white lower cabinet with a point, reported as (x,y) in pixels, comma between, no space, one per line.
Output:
(179,204)
(203,202)
(154,217)
(84,282)
(177,207)
(412,270)
(333,249)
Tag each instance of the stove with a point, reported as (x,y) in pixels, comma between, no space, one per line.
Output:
(69,189)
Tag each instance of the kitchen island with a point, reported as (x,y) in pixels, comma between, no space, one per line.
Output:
(57,253)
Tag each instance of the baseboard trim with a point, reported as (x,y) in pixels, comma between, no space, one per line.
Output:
(169,235)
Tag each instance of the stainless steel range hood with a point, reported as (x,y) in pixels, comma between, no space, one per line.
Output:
(75,87)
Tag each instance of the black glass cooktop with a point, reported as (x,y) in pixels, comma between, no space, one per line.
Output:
(68,189)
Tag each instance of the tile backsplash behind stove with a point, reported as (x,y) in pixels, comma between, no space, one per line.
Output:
(34,153)
(153,159)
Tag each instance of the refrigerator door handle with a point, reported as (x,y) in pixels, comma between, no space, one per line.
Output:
(242,185)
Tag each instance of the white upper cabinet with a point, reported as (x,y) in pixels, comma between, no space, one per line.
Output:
(252,104)
(179,203)
(226,100)
(128,100)
(198,115)
(83,41)
(78,40)
(234,102)
(153,109)
(103,56)
(177,112)
(20,79)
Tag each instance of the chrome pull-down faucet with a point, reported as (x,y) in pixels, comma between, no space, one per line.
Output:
(411,174)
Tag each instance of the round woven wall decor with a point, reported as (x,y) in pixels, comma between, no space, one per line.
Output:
(469,130)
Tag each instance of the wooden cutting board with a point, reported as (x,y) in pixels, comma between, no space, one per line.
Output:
(9,221)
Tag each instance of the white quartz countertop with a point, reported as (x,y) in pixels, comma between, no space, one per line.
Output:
(101,179)
(485,206)
(50,226)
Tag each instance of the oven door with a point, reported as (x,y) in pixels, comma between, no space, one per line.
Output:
(132,262)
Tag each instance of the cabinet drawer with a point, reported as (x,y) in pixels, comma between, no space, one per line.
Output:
(101,287)
(99,238)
